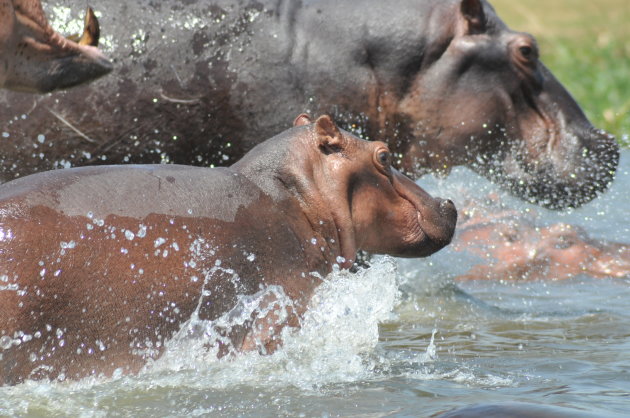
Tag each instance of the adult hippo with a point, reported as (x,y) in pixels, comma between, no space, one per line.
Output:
(35,58)
(446,82)
(101,266)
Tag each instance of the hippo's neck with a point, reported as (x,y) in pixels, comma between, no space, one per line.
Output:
(282,169)
(328,235)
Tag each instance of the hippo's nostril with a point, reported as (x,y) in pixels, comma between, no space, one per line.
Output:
(447,203)
(448,213)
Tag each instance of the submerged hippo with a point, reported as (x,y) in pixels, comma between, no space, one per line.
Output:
(101,266)
(446,82)
(514,248)
(35,58)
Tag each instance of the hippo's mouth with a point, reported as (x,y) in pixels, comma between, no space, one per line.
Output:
(434,227)
(430,221)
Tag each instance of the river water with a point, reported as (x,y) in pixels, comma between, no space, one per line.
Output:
(402,338)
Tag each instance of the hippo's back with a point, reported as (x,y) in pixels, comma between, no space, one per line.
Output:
(132,191)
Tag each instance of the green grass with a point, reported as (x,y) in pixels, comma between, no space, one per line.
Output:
(586,44)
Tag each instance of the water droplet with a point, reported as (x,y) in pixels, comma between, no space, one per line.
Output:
(5,342)
(65,245)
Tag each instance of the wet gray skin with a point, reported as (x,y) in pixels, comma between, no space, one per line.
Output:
(445,83)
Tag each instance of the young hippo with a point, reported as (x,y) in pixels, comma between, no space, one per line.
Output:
(35,58)
(101,266)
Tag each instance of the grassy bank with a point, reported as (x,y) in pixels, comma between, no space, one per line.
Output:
(587,46)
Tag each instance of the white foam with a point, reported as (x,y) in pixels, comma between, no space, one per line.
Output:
(338,332)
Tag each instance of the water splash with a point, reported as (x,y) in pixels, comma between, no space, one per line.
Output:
(337,333)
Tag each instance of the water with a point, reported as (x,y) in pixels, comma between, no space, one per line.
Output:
(402,338)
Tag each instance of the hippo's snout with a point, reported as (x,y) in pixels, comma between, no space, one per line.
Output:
(436,217)
(573,173)
(437,221)
(447,205)
(74,70)
(445,221)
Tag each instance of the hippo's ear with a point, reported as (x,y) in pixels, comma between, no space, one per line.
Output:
(472,10)
(91,29)
(329,137)
(302,119)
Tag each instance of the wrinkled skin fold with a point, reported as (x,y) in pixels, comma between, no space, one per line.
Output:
(445,83)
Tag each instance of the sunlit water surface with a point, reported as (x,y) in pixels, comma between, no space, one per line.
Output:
(402,338)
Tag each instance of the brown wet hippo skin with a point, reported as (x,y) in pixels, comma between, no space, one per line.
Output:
(35,58)
(513,248)
(445,82)
(100,265)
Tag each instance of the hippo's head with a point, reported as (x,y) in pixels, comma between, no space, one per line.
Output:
(35,58)
(484,99)
(373,206)
(516,249)
(571,252)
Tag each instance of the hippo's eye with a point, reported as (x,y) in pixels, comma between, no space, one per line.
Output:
(511,237)
(384,158)
(526,51)
(563,242)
